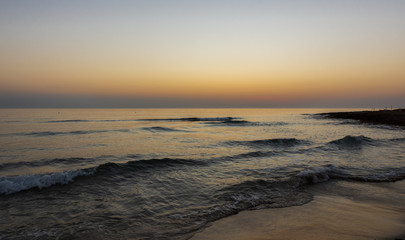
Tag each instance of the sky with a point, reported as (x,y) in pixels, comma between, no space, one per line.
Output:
(160,53)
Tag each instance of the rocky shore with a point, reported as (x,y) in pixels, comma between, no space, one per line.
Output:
(388,117)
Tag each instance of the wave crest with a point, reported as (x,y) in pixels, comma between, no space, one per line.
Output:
(52,133)
(15,184)
(352,141)
(323,174)
(256,154)
(317,175)
(244,123)
(68,121)
(128,167)
(275,142)
(162,129)
(191,119)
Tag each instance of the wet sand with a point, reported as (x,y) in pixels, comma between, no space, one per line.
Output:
(340,210)
(388,117)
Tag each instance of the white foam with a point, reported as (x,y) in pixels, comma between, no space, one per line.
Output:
(14,184)
(318,175)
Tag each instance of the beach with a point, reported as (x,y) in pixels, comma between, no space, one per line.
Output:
(340,210)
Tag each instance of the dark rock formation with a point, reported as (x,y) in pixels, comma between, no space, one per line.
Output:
(388,117)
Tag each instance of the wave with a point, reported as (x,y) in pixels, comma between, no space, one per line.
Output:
(245,123)
(220,121)
(383,175)
(79,161)
(150,164)
(86,120)
(363,175)
(230,122)
(162,129)
(49,133)
(275,142)
(227,121)
(278,192)
(52,133)
(44,162)
(270,123)
(256,154)
(397,140)
(297,175)
(68,121)
(191,119)
(319,175)
(352,141)
(15,184)
(260,193)
(251,194)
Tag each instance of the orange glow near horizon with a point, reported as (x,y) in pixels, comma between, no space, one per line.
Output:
(247,58)
(210,85)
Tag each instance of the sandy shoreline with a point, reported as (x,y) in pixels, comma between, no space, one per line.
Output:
(340,210)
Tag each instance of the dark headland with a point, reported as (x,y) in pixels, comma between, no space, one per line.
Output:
(388,117)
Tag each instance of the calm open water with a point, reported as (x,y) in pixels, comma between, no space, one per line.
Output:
(165,173)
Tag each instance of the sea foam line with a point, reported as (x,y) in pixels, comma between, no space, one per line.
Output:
(15,184)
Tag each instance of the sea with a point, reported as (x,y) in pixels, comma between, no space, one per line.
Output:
(168,173)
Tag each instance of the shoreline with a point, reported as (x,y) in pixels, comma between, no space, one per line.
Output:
(394,117)
(340,210)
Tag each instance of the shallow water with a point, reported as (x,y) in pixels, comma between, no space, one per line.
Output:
(165,173)
(340,210)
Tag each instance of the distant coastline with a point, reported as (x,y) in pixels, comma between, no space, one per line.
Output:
(389,117)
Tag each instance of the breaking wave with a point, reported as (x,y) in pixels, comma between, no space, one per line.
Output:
(15,184)
(286,192)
